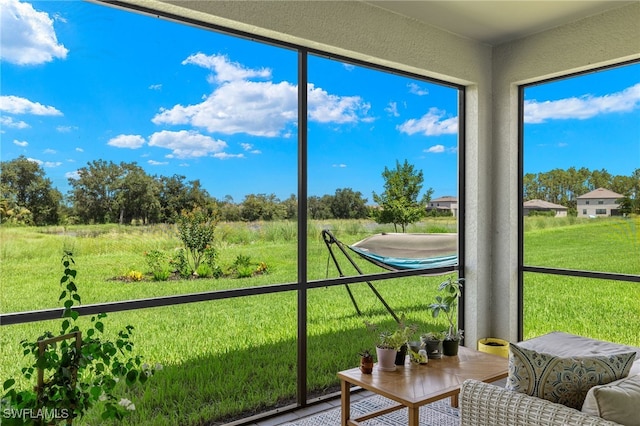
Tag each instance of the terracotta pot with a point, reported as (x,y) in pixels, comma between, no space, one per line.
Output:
(366,364)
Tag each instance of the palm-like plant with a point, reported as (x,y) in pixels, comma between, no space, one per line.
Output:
(448,304)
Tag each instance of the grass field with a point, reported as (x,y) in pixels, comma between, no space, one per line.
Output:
(235,357)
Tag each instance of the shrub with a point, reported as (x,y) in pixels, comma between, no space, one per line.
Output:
(158,262)
(75,369)
(196,230)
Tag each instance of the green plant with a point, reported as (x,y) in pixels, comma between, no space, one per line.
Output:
(394,339)
(433,336)
(196,230)
(158,262)
(448,304)
(75,369)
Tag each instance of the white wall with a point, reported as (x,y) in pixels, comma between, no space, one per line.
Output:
(491,76)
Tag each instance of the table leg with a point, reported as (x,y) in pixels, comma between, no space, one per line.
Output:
(454,400)
(414,416)
(345,398)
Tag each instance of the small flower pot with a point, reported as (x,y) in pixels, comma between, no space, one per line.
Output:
(366,364)
(450,347)
(386,359)
(401,355)
(433,348)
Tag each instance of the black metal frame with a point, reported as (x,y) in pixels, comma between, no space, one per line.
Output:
(303,284)
(522,268)
(330,240)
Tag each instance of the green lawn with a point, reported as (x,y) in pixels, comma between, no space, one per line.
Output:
(235,357)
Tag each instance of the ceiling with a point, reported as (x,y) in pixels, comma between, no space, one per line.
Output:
(496,22)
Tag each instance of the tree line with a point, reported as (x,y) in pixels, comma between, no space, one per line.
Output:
(563,187)
(106,192)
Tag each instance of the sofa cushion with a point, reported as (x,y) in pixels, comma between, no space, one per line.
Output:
(616,401)
(563,380)
(563,344)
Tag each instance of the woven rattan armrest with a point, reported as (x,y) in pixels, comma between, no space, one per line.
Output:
(483,404)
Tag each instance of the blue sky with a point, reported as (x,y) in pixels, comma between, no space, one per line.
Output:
(82,82)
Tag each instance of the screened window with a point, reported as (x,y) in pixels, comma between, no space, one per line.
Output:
(137,128)
(571,157)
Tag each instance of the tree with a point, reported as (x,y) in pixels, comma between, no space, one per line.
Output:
(138,195)
(261,207)
(27,195)
(399,202)
(319,208)
(95,192)
(348,204)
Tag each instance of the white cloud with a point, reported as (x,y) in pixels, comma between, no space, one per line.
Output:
(72,175)
(435,149)
(186,144)
(49,151)
(157,163)
(155,87)
(17,105)
(9,122)
(249,148)
(79,149)
(349,67)
(225,70)
(20,143)
(432,123)
(327,108)
(258,108)
(255,108)
(45,163)
(127,141)
(340,166)
(417,90)
(27,36)
(66,129)
(392,109)
(583,107)
(225,156)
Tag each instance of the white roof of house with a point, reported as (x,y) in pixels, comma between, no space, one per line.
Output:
(541,204)
(445,198)
(601,193)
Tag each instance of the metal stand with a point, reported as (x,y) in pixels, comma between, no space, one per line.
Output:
(330,240)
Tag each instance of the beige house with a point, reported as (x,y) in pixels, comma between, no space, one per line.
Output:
(600,202)
(446,203)
(543,206)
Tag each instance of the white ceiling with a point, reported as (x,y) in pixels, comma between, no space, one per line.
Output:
(496,22)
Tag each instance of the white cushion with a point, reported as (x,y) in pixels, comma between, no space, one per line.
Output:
(617,401)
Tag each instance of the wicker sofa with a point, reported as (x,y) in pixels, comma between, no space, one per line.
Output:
(483,404)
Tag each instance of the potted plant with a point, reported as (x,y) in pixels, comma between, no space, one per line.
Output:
(366,362)
(433,344)
(390,344)
(448,304)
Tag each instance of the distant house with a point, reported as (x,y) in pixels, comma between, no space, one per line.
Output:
(544,206)
(600,202)
(446,203)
